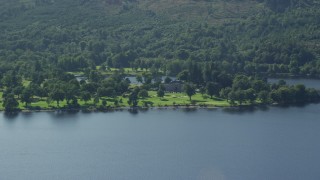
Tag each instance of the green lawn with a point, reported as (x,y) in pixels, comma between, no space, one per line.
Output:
(110,71)
(182,99)
(169,99)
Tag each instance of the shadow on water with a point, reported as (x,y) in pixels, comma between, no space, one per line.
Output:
(60,114)
(27,115)
(189,110)
(143,110)
(212,109)
(296,105)
(64,115)
(10,116)
(64,118)
(134,111)
(245,109)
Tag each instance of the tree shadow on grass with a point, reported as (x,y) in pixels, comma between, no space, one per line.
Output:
(217,99)
(199,101)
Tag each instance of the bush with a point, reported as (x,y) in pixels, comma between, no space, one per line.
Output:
(143,93)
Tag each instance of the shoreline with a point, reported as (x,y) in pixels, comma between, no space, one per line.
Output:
(141,109)
(113,109)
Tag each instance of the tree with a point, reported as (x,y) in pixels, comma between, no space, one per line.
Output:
(96,100)
(167,80)
(139,78)
(241,82)
(147,78)
(122,87)
(133,99)
(212,88)
(83,45)
(240,96)
(232,97)
(18,90)
(278,5)
(90,87)
(160,93)
(300,92)
(116,103)
(71,91)
(184,75)
(95,76)
(74,102)
(85,96)
(104,103)
(189,89)
(202,91)
(259,85)
(250,95)
(26,96)
(57,95)
(143,93)
(264,96)
(283,95)
(11,79)
(109,91)
(224,93)
(162,87)
(10,103)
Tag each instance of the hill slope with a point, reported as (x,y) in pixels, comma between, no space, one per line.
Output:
(250,36)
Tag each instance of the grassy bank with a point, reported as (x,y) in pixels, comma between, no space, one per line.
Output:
(170,99)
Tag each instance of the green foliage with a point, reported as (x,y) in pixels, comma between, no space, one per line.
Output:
(104,102)
(225,47)
(143,93)
(264,96)
(189,89)
(160,93)
(57,95)
(10,103)
(294,94)
(26,96)
(213,89)
(85,96)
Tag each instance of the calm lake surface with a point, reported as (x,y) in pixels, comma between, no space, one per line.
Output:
(272,143)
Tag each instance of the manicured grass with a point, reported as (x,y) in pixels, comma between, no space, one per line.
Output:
(170,99)
(110,71)
(182,99)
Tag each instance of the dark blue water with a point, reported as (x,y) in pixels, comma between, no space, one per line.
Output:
(274,143)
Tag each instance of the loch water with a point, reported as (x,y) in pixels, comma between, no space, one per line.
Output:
(228,144)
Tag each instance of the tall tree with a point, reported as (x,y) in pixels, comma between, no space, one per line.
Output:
(26,96)
(189,89)
(85,96)
(213,89)
(57,95)
(10,103)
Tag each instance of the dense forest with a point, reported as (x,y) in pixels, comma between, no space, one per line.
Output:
(225,48)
